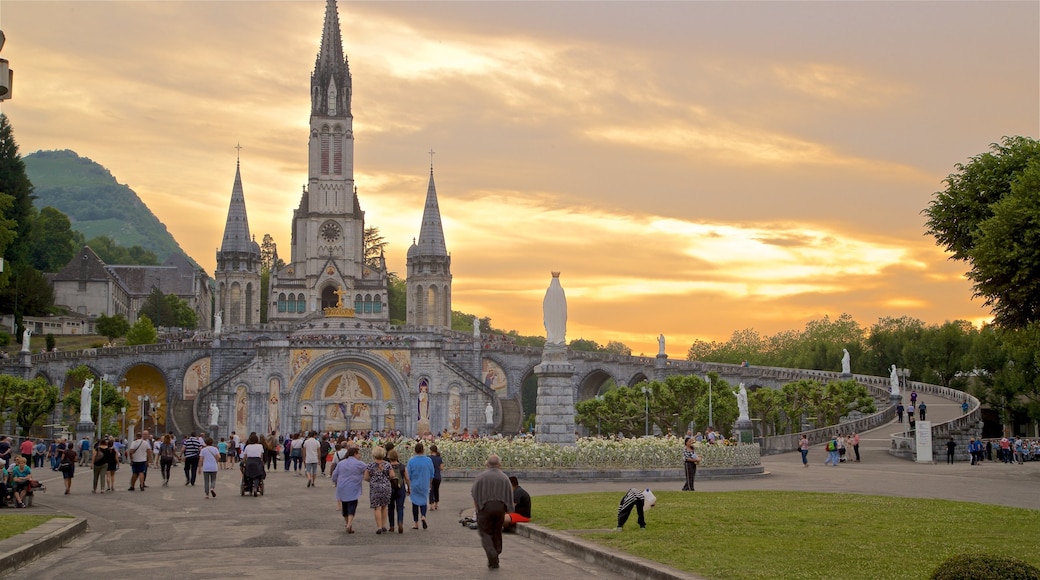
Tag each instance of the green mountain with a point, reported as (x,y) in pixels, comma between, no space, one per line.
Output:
(97,205)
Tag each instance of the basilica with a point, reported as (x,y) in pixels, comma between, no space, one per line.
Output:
(328,357)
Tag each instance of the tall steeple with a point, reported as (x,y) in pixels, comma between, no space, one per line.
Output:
(330,81)
(236,231)
(238,264)
(431,234)
(429,269)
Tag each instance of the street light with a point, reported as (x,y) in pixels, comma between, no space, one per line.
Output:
(145,406)
(646,411)
(101,389)
(123,411)
(599,418)
(710,422)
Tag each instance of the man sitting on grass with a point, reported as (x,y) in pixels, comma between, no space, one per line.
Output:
(521,507)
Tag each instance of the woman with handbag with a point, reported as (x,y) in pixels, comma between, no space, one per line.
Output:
(378,477)
(690,461)
(67,467)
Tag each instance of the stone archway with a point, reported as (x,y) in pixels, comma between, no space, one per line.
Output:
(343,391)
(148,397)
(592,383)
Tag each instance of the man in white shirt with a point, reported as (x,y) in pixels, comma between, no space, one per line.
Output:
(140,456)
(311,450)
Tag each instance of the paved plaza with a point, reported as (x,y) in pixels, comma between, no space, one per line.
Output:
(175,533)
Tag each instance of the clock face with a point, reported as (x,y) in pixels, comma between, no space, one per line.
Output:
(330,232)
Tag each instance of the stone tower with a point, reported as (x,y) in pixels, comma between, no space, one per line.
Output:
(429,269)
(238,265)
(327,263)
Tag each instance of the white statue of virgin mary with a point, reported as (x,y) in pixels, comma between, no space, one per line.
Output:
(554,311)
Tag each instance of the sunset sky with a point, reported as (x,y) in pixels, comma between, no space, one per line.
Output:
(693,168)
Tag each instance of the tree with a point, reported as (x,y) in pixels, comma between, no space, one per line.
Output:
(30,293)
(396,298)
(52,241)
(28,402)
(617,347)
(112,327)
(583,345)
(142,332)
(111,252)
(989,217)
(268,254)
(15,183)
(375,245)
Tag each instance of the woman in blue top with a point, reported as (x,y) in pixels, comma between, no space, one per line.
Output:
(210,459)
(223,449)
(420,479)
(347,477)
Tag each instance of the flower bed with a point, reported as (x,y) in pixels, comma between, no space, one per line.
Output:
(590,453)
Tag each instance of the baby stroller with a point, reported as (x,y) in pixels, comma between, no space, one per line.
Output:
(253,475)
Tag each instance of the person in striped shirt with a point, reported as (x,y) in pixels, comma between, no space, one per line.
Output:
(636,498)
(190,449)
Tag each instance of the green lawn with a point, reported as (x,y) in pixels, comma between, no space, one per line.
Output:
(14,524)
(766,534)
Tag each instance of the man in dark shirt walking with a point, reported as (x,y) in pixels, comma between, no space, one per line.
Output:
(493,499)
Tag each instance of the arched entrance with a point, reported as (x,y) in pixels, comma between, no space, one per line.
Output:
(329,299)
(357,391)
(148,399)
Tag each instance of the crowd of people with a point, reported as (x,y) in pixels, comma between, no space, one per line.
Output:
(1010,450)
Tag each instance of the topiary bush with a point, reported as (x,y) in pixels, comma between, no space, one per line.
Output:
(985,567)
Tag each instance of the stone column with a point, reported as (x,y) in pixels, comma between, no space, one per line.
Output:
(660,364)
(554,419)
(744,430)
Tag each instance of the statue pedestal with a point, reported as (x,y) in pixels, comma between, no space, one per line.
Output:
(660,364)
(85,429)
(845,376)
(554,418)
(214,432)
(744,430)
(895,399)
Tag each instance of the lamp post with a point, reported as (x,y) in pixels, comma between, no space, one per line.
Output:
(599,419)
(123,411)
(100,410)
(155,416)
(144,406)
(710,422)
(646,411)
(123,389)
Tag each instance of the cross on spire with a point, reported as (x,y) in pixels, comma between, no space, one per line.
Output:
(432,153)
(238,146)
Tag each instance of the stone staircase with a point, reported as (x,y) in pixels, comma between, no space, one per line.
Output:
(182,417)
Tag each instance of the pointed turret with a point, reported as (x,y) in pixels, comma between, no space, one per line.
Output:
(330,81)
(238,264)
(236,231)
(431,234)
(429,269)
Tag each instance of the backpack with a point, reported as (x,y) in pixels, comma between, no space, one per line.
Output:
(832,445)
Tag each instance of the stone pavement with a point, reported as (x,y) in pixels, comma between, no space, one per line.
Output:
(175,533)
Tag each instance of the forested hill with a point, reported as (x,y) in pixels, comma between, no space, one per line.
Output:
(97,205)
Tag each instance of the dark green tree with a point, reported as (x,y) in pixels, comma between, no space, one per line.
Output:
(112,327)
(583,345)
(29,292)
(111,252)
(375,245)
(142,332)
(618,347)
(52,241)
(396,298)
(989,217)
(15,182)
(27,402)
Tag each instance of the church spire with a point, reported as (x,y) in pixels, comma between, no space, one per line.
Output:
(431,234)
(236,231)
(330,82)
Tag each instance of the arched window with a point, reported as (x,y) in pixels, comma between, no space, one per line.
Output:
(368,303)
(359,304)
(301,303)
(377,304)
(281,302)
(337,153)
